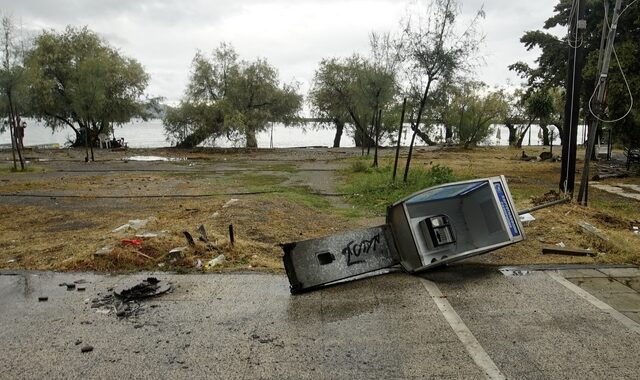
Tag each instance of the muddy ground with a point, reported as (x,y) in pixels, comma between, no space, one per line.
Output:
(60,212)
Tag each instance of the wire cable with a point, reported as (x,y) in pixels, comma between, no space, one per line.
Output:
(624,77)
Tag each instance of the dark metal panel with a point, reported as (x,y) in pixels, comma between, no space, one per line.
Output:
(313,263)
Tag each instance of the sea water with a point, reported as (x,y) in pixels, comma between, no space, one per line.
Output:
(151,134)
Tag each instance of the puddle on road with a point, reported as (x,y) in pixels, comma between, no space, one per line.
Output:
(153,158)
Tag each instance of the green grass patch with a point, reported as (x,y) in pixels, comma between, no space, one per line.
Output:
(27,169)
(373,190)
(302,195)
(257,181)
(287,168)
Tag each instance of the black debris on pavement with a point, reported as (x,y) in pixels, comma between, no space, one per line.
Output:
(110,303)
(125,300)
(150,287)
(86,349)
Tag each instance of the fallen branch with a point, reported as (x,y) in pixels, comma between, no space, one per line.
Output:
(143,255)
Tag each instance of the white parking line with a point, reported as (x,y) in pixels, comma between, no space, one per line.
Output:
(471,344)
(628,322)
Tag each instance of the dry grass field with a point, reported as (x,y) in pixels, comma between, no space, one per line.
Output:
(56,215)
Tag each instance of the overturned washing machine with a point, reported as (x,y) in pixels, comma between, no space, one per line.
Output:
(432,227)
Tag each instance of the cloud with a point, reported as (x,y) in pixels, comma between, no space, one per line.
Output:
(293,36)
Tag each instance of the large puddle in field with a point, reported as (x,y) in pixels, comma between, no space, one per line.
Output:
(154,158)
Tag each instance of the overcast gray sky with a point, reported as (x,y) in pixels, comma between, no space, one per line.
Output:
(293,35)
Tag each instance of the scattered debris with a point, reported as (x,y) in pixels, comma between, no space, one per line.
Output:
(214,262)
(610,171)
(549,196)
(145,256)
(86,349)
(263,339)
(592,230)
(177,252)
(124,301)
(203,234)
(524,157)
(138,224)
(230,202)
(550,249)
(134,242)
(561,245)
(148,235)
(121,228)
(81,288)
(510,271)
(546,156)
(71,286)
(232,238)
(189,238)
(525,218)
(11,261)
(147,288)
(122,309)
(107,249)
(198,264)
(215,215)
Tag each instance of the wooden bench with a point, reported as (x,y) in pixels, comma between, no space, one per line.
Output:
(633,156)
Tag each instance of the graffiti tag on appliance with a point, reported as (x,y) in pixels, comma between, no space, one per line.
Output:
(355,252)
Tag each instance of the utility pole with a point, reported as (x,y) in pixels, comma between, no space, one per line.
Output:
(572,105)
(599,102)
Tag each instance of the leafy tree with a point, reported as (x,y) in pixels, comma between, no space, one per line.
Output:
(78,81)
(471,112)
(355,90)
(230,97)
(550,70)
(351,91)
(525,109)
(435,51)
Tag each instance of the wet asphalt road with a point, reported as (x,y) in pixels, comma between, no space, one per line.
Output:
(467,321)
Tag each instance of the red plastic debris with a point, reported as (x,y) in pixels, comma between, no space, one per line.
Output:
(135,242)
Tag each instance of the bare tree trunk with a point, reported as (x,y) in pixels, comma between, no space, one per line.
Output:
(545,135)
(250,136)
(15,147)
(86,143)
(371,130)
(395,163)
(406,168)
(375,154)
(13,142)
(522,135)
(448,133)
(512,133)
(339,129)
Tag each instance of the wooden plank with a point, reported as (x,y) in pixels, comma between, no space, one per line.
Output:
(555,250)
(592,230)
